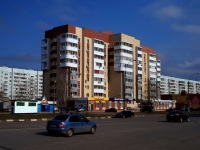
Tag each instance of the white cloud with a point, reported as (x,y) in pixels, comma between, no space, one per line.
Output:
(193,64)
(192,29)
(169,11)
(164,10)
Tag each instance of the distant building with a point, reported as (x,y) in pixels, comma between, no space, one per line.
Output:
(20,83)
(172,85)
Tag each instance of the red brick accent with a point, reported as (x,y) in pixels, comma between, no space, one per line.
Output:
(59,30)
(147,49)
(94,34)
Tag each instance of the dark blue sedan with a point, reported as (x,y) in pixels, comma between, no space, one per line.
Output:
(69,124)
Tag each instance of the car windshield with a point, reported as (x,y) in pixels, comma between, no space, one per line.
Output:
(61,117)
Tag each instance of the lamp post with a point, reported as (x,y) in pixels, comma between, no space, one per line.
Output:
(189,92)
(54,96)
(124,86)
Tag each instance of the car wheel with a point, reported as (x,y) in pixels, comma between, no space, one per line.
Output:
(123,116)
(93,130)
(131,116)
(181,120)
(168,120)
(69,133)
(187,120)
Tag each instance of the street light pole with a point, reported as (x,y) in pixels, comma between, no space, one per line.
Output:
(189,92)
(54,96)
(124,85)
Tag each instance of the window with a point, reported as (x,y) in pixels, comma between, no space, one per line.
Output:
(103,105)
(88,41)
(20,103)
(97,104)
(31,104)
(73,119)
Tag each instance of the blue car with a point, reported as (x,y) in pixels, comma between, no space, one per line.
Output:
(68,124)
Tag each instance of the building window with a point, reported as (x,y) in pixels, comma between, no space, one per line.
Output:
(104,95)
(88,41)
(20,104)
(110,104)
(116,105)
(97,104)
(103,105)
(87,94)
(31,104)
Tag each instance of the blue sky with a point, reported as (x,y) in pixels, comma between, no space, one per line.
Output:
(170,27)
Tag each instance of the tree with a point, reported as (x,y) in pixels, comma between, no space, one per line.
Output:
(63,87)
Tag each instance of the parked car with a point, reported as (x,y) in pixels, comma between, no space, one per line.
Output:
(68,124)
(111,110)
(67,109)
(125,114)
(177,115)
(80,109)
(147,108)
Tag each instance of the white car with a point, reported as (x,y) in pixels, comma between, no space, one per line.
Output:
(80,109)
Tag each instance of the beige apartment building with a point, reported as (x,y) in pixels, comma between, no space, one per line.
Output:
(96,70)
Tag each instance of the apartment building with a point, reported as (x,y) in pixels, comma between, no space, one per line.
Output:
(21,83)
(101,67)
(151,74)
(172,85)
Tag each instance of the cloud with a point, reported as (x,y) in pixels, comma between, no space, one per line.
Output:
(169,11)
(43,25)
(192,29)
(20,57)
(190,65)
(163,11)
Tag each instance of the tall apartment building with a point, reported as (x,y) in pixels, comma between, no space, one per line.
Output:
(172,85)
(96,65)
(151,74)
(21,83)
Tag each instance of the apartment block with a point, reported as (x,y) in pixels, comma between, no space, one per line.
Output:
(21,83)
(151,74)
(99,66)
(172,85)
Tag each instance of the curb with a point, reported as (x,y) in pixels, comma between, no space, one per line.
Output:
(46,119)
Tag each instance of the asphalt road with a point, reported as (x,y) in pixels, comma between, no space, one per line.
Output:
(144,133)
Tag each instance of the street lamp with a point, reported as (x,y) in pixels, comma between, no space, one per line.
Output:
(189,92)
(124,86)
(54,96)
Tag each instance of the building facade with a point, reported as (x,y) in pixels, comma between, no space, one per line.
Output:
(172,85)
(83,63)
(21,83)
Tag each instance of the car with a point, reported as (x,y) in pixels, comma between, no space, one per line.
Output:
(111,110)
(125,114)
(177,115)
(67,109)
(69,124)
(80,109)
(147,109)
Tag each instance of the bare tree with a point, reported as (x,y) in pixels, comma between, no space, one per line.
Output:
(3,98)
(63,88)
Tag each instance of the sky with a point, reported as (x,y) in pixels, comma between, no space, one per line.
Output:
(170,27)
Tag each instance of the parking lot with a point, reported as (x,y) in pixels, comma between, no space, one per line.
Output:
(150,132)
